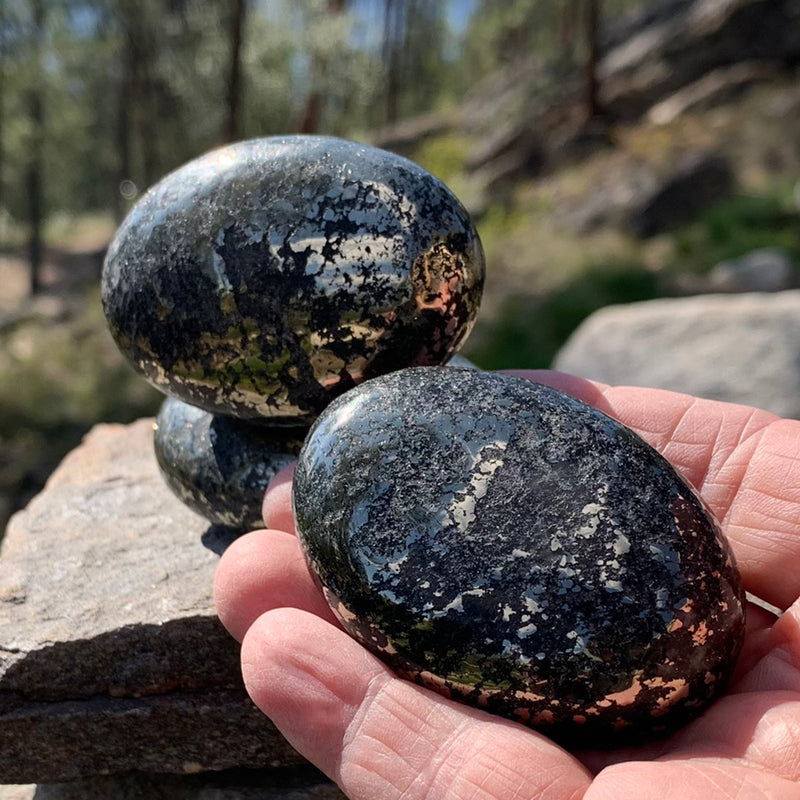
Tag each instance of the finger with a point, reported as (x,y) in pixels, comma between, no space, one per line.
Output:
(689,779)
(743,461)
(758,641)
(379,736)
(779,667)
(277,507)
(260,571)
(758,729)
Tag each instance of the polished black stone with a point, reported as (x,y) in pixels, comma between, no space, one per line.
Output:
(219,466)
(267,277)
(513,548)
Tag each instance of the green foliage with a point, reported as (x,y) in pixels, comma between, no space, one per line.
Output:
(553,31)
(133,88)
(444,156)
(529,330)
(60,375)
(733,227)
(414,68)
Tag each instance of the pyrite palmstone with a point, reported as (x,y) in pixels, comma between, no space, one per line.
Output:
(269,276)
(511,547)
(220,466)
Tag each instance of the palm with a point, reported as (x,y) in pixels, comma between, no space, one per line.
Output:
(380,737)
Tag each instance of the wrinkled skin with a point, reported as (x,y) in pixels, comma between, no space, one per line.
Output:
(380,737)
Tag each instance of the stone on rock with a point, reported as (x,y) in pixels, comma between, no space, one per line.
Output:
(513,548)
(740,348)
(221,466)
(111,655)
(269,276)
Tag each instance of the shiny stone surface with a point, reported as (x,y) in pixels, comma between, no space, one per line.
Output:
(269,276)
(511,547)
(219,466)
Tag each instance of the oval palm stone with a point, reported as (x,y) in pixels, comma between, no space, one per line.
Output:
(220,466)
(513,548)
(267,277)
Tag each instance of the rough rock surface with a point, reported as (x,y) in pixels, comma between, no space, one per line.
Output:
(239,784)
(111,656)
(695,37)
(22,791)
(695,184)
(768,269)
(515,549)
(646,201)
(714,88)
(740,348)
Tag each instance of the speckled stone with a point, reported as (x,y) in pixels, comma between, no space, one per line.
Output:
(513,548)
(220,466)
(267,277)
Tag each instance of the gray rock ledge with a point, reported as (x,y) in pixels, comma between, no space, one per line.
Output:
(111,655)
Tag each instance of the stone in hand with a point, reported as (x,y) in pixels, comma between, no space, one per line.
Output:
(220,466)
(267,277)
(511,547)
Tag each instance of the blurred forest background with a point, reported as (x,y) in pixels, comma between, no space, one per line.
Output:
(609,150)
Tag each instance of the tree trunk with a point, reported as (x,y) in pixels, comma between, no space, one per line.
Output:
(592,83)
(566,27)
(392,32)
(312,112)
(3,34)
(232,130)
(142,101)
(35,155)
(148,127)
(125,97)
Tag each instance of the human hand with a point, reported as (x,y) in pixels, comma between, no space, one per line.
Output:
(381,738)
